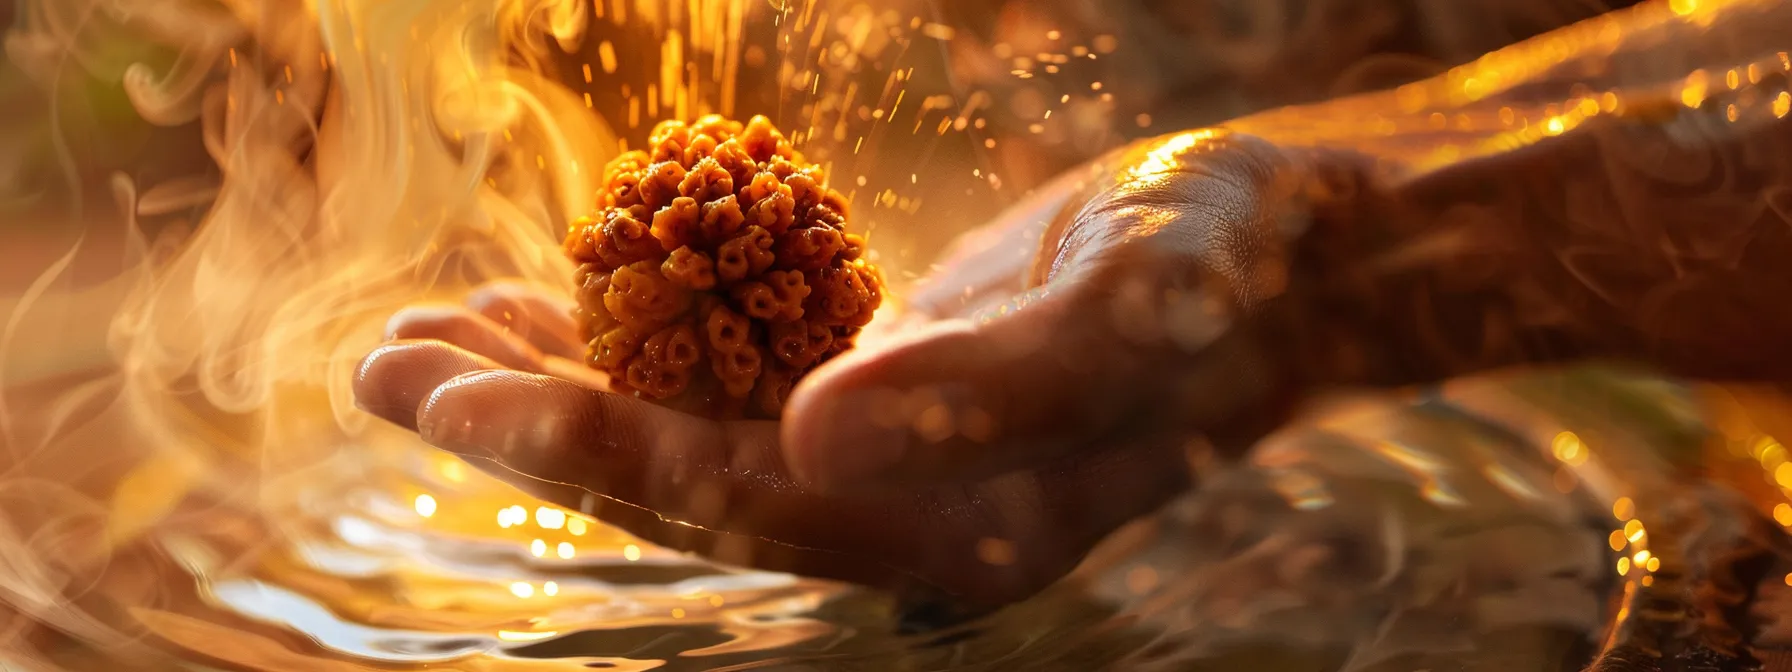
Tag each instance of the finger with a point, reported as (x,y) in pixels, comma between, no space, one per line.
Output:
(395,379)
(622,447)
(727,477)
(467,330)
(673,479)
(725,489)
(531,312)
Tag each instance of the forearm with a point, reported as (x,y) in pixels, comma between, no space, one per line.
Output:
(1593,201)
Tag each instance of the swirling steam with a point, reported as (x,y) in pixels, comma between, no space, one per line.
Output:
(367,153)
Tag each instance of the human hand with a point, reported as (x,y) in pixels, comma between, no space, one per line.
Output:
(1137,302)
(1025,415)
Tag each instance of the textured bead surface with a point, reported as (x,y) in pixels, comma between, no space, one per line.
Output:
(718,269)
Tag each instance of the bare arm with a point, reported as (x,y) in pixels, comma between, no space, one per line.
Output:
(1507,212)
(1619,189)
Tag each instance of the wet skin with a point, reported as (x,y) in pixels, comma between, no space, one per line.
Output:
(1182,296)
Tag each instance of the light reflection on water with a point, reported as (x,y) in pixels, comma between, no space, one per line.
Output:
(1450,539)
(1419,535)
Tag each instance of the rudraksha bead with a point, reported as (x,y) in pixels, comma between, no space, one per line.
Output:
(718,270)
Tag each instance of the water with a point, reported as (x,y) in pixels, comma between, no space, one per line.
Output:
(1459,529)
(1536,521)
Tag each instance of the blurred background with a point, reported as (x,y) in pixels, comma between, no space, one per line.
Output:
(209,207)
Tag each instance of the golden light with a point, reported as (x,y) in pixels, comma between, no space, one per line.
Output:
(512,516)
(1624,508)
(454,470)
(1692,92)
(1782,474)
(514,636)
(1567,445)
(334,284)
(425,505)
(1770,452)
(1164,158)
(550,518)
(1757,445)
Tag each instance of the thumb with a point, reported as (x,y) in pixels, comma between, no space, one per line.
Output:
(1156,311)
(1047,374)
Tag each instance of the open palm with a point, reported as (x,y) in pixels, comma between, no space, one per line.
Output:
(1056,368)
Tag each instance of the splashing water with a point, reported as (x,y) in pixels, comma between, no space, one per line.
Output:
(185,478)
